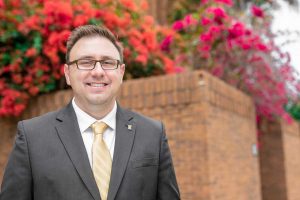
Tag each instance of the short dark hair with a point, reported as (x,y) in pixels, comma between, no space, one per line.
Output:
(92,30)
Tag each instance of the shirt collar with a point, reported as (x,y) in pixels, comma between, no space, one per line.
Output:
(85,120)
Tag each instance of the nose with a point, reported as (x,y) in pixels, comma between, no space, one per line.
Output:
(98,69)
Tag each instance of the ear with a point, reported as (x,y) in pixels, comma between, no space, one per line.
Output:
(122,71)
(67,74)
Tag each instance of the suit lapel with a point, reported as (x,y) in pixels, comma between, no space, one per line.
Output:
(69,134)
(125,132)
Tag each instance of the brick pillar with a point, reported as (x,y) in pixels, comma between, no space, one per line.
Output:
(272,167)
(230,128)
(291,146)
(280,160)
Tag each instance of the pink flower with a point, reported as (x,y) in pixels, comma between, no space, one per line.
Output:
(287,118)
(219,14)
(246,46)
(261,47)
(257,11)
(237,30)
(165,44)
(189,20)
(218,71)
(179,69)
(206,37)
(227,2)
(298,87)
(178,26)
(204,51)
(205,21)
(215,29)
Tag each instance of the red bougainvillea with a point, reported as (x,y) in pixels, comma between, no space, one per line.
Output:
(242,54)
(33,35)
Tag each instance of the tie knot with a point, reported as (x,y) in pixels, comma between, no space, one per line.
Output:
(99,127)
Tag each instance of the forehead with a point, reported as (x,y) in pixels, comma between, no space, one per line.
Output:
(95,47)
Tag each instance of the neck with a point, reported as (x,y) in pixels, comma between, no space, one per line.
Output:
(97,111)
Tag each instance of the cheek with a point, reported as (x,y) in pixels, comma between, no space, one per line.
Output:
(118,80)
(76,78)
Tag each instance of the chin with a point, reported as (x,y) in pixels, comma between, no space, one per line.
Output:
(99,101)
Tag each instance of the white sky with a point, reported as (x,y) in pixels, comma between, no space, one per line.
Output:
(287,18)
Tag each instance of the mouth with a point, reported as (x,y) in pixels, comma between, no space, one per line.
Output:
(97,85)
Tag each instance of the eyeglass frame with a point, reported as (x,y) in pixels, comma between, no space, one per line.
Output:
(100,61)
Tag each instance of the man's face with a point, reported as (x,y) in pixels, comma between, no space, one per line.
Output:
(95,87)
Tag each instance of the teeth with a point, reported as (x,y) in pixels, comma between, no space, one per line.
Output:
(97,84)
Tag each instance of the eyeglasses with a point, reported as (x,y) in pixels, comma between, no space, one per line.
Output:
(88,64)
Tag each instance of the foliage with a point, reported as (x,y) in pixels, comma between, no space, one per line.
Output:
(294,110)
(242,54)
(33,34)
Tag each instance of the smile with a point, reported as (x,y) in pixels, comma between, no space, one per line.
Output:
(97,84)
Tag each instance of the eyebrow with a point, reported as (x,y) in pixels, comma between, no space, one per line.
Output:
(93,58)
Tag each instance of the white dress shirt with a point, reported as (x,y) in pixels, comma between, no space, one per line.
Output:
(85,121)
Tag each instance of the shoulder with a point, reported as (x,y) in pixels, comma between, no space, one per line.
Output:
(48,117)
(42,122)
(144,121)
(144,118)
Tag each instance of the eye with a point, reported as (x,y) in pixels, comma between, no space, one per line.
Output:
(108,62)
(86,62)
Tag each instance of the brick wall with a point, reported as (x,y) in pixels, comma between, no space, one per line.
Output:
(230,135)
(280,160)
(272,161)
(210,126)
(291,146)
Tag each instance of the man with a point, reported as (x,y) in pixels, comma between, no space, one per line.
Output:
(92,149)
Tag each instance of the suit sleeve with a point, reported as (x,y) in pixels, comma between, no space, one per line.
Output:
(17,180)
(167,184)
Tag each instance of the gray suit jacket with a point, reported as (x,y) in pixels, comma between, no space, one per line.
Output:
(49,161)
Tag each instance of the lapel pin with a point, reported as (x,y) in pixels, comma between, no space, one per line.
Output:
(129,126)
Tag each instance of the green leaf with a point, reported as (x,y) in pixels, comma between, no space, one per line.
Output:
(19,18)
(124,41)
(39,73)
(18,87)
(94,21)
(49,86)
(6,59)
(135,16)
(37,41)
(15,34)
(22,46)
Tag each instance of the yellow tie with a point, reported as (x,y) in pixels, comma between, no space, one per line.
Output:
(101,159)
